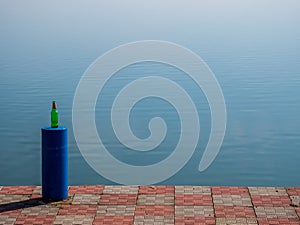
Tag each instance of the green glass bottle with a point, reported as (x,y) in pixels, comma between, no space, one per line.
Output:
(54,115)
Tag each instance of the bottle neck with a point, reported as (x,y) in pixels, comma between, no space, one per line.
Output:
(53,105)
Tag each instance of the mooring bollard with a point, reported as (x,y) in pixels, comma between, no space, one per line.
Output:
(54,159)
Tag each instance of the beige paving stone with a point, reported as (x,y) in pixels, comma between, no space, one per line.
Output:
(37,190)
(40,210)
(116,210)
(232,200)
(149,220)
(120,190)
(70,220)
(193,190)
(6,199)
(236,221)
(295,200)
(194,211)
(275,212)
(155,199)
(267,191)
(86,199)
(7,220)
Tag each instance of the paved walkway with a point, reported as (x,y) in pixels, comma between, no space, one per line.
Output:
(153,205)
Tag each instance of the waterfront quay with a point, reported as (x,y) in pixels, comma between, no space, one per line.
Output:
(100,204)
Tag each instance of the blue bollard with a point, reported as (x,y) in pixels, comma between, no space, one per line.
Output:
(54,163)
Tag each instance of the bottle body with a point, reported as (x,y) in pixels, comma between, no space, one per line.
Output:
(54,115)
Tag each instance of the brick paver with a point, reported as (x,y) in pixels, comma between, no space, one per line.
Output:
(72,220)
(233,211)
(232,200)
(156,190)
(267,191)
(158,199)
(230,191)
(118,199)
(298,211)
(86,199)
(7,220)
(236,221)
(17,190)
(181,220)
(40,210)
(192,211)
(35,220)
(116,220)
(149,220)
(295,201)
(78,210)
(204,190)
(95,189)
(154,210)
(275,212)
(6,199)
(193,199)
(100,204)
(280,221)
(270,200)
(120,190)
(115,210)
(293,191)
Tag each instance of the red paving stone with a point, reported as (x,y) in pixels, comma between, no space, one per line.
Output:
(116,220)
(78,210)
(230,191)
(293,191)
(298,211)
(234,211)
(118,199)
(17,190)
(156,190)
(156,210)
(96,189)
(193,199)
(275,221)
(268,200)
(180,220)
(34,220)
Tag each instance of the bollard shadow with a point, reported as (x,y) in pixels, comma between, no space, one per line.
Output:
(22,204)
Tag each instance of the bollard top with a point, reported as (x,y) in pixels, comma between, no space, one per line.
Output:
(54,128)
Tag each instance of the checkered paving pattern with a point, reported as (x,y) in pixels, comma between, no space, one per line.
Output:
(100,204)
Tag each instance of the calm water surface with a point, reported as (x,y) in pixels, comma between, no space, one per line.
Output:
(253,48)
